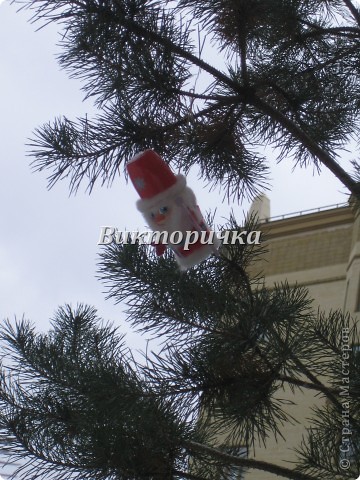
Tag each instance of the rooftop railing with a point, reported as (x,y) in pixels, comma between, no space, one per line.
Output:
(306,212)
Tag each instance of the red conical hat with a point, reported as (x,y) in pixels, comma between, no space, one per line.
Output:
(153,178)
(150,174)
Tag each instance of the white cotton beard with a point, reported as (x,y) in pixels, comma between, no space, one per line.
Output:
(184,216)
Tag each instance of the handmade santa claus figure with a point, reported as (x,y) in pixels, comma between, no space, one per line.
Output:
(169,206)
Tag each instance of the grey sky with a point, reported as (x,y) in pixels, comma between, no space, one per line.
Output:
(48,242)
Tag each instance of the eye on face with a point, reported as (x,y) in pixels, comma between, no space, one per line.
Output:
(160,215)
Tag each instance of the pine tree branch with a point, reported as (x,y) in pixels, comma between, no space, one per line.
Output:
(185,321)
(38,455)
(291,101)
(247,462)
(329,393)
(141,31)
(282,378)
(243,275)
(198,96)
(314,148)
(161,40)
(109,64)
(318,30)
(308,385)
(222,101)
(315,384)
(189,476)
(243,55)
(247,97)
(331,61)
(186,55)
(354,11)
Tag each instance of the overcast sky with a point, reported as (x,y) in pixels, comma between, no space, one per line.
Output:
(48,242)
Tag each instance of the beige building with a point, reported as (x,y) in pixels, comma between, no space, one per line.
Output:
(319,249)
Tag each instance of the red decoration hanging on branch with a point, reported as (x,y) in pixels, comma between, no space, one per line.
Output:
(169,206)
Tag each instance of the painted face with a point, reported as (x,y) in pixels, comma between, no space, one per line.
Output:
(160,215)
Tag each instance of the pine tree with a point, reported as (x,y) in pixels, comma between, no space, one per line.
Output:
(75,398)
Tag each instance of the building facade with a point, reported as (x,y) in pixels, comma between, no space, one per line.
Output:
(321,251)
